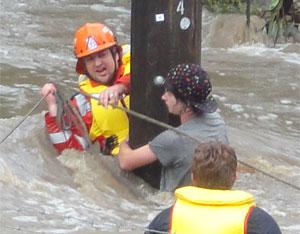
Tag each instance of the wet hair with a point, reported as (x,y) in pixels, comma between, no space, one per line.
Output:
(214,166)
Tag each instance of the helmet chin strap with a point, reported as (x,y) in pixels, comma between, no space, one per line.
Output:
(114,52)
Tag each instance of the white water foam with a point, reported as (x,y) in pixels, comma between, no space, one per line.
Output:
(267,52)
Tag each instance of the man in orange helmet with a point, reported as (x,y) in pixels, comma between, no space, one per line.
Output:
(104,69)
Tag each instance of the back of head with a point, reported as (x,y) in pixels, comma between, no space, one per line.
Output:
(214,166)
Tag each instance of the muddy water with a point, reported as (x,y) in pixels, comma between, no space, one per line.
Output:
(257,89)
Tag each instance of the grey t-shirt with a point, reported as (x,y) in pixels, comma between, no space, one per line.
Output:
(175,151)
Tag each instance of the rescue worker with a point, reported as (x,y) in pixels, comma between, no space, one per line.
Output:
(210,206)
(104,69)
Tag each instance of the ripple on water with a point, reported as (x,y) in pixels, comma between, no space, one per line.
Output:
(269,116)
(235,107)
(33,219)
(102,8)
(285,101)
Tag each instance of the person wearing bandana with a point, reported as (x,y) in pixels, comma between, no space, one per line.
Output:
(188,95)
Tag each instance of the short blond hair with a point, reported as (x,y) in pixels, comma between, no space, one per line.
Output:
(214,166)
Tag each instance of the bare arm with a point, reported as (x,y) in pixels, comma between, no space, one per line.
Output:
(130,159)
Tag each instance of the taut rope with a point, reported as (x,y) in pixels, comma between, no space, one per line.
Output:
(167,126)
(24,118)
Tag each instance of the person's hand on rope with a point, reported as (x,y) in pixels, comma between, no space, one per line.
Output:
(48,91)
(112,95)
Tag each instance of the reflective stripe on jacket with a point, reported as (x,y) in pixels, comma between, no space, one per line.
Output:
(198,210)
(69,138)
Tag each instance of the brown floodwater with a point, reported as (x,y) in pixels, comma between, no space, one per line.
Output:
(257,89)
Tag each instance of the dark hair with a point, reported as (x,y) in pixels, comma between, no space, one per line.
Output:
(190,83)
(214,166)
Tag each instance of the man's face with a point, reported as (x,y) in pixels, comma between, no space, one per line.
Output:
(175,106)
(101,66)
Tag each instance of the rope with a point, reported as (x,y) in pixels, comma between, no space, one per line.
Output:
(148,119)
(70,111)
(167,126)
(155,231)
(24,118)
(154,121)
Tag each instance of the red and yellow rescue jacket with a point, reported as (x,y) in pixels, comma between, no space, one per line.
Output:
(199,210)
(100,122)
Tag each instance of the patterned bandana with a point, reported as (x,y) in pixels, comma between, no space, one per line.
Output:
(190,83)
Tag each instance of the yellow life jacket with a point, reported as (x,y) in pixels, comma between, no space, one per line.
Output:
(208,211)
(107,121)
(126,58)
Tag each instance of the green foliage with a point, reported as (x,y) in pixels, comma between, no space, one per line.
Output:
(276,20)
(225,6)
(273,4)
(274,13)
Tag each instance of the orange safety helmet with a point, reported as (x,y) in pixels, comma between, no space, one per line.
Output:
(91,38)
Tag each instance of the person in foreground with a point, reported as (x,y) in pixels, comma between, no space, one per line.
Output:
(104,69)
(188,95)
(210,206)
